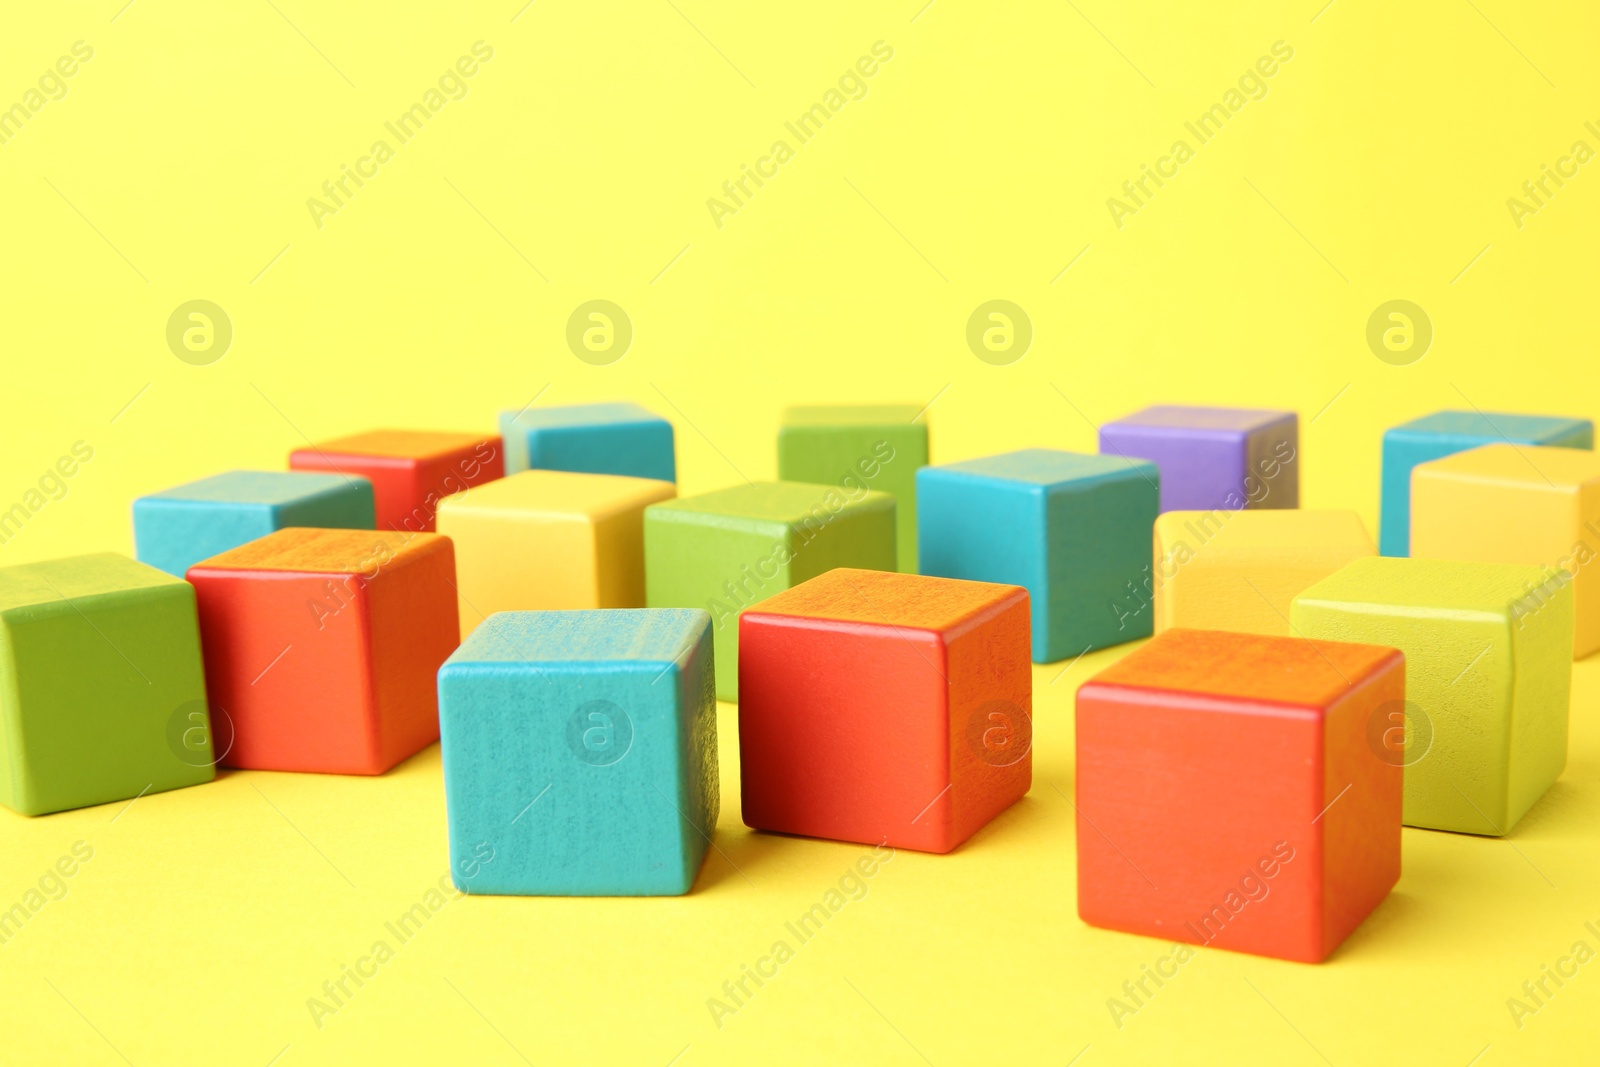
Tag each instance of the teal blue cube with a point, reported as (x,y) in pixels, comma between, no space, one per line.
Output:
(580,752)
(1076,531)
(590,439)
(177,528)
(1444,433)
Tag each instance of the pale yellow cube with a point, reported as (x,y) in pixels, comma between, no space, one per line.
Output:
(1240,570)
(1524,504)
(544,540)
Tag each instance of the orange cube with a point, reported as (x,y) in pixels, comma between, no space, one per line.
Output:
(321,647)
(1237,790)
(410,470)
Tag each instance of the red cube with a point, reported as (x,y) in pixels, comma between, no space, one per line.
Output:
(885,708)
(1235,790)
(410,470)
(321,647)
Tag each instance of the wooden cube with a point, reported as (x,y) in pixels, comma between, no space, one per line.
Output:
(1227,794)
(321,647)
(177,528)
(724,551)
(590,438)
(879,707)
(1073,530)
(1240,570)
(580,753)
(550,540)
(1488,677)
(102,694)
(1210,458)
(860,447)
(1445,433)
(411,471)
(1516,504)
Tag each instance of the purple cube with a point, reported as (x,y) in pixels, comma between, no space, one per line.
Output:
(1214,458)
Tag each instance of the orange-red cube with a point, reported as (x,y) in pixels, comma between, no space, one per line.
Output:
(885,708)
(321,647)
(410,470)
(1236,790)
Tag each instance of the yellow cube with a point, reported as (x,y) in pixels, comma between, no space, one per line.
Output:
(1507,503)
(546,540)
(1240,570)
(1482,731)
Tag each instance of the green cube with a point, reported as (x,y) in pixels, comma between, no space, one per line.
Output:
(724,551)
(102,690)
(1482,732)
(860,447)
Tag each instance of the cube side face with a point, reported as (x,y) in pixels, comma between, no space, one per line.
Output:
(696,561)
(407,491)
(700,782)
(619,555)
(1100,541)
(642,449)
(98,695)
(412,628)
(1243,871)
(1361,830)
(1201,469)
(1458,689)
(1272,474)
(174,535)
(885,458)
(565,776)
(288,665)
(844,732)
(347,506)
(990,694)
(511,560)
(861,535)
(1541,694)
(986,530)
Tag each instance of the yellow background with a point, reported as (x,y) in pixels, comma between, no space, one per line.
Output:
(977,167)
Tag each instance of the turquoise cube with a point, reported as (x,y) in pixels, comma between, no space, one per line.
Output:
(580,752)
(1445,433)
(591,439)
(1075,530)
(177,528)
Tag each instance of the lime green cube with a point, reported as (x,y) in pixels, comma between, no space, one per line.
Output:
(724,551)
(102,690)
(860,447)
(1482,732)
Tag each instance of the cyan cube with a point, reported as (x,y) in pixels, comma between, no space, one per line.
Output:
(580,752)
(1444,433)
(1075,530)
(590,439)
(1213,459)
(177,528)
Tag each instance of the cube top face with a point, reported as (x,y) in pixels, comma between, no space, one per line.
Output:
(1444,588)
(557,494)
(584,415)
(641,639)
(1528,466)
(102,695)
(769,508)
(309,550)
(1045,469)
(1289,530)
(265,488)
(598,438)
(885,416)
(888,599)
(413,445)
(1483,427)
(579,753)
(1217,794)
(1293,673)
(1222,420)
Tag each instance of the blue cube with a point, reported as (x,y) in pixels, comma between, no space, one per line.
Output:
(177,528)
(1076,531)
(590,439)
(1445,433)
(580,752)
